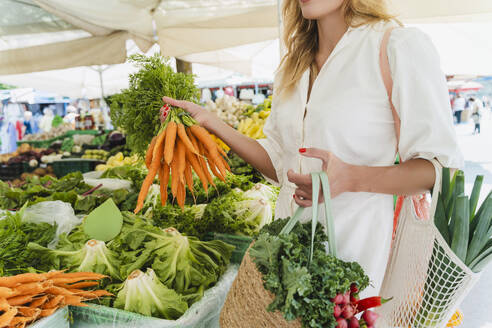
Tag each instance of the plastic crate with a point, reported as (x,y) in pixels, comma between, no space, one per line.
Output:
(10,172)
(40,143)
(203,314)
(66,166)
(241,244)
(93,132)
(59,319)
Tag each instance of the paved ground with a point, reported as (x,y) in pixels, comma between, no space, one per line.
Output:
(477,149)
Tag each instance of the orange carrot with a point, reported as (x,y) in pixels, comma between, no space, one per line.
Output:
(213,168)
(174,178)
(74,300)
(23,278)
(189,177)
(222,152)
(150,152)
(181,195)
(154,167)
(54,302)
(101,293)
(86,294)
(185,139)
(201,160)
(18,322)
(20,300)
(80,275)
(170,140)
(193,160)
(52,274)
(180,157)
(4,305)
(204,137)
(69,280)
(47,312)
(6,318)
(58,291)
(30,288)
(164,180)
(6,292)
(28,311)
(38,301)
(79,285)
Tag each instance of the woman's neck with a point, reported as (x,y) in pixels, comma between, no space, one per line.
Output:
(331,29)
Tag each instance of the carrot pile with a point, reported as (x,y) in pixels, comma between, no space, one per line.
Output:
(27,297)
(181,147)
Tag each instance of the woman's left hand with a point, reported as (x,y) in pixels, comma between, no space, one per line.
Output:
(339,174)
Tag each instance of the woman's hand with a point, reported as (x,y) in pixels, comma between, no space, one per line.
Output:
(339,175)
(205,118)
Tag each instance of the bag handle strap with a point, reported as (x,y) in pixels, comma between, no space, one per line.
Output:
(317,178)
(384,66)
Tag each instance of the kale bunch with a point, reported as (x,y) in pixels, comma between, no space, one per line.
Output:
(303,290)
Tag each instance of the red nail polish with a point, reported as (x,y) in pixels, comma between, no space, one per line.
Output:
(302,150)
(294,196)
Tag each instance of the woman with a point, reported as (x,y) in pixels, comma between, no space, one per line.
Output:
(331,112)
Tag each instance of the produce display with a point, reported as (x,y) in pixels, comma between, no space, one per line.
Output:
(25,153)
(53,133)
(117,161)
(253,126)
(97,154)
(229,109)
(28,297)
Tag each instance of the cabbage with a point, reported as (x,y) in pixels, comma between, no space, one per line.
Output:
(94,256)
(143,293)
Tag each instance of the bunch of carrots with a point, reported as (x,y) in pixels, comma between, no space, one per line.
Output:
(27,297)
(181,147)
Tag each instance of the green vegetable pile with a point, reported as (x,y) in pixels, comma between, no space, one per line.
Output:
(179,268)
(14,237)
(303,290)
(69,189)
(136,109)
(240,167)
(236,212)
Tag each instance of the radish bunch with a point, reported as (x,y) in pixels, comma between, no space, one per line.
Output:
(348,305)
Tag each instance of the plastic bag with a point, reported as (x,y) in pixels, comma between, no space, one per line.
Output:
(109,183)
(203,314)
(53,212)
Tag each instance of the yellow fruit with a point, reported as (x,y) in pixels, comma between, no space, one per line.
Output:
(456,320)
(119,156)
(264,114)
(255,116)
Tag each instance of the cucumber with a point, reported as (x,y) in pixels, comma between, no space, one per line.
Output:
(475,195)
(480,236)
(461,228)
(440,219)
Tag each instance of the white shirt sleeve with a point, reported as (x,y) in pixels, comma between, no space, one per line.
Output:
(421,98)
(273,143)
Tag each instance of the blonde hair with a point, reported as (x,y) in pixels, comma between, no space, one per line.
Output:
(301,35)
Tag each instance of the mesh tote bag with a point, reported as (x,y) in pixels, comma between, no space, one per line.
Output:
(426,280)
(247,301)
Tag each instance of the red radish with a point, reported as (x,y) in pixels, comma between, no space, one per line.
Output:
(346,297)
(337,311)
(354,289)
(370,317)
(353,323)
(348,311)
(342,323)
(338,299)
(354,299)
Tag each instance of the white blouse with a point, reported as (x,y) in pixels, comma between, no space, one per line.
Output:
(348,113)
